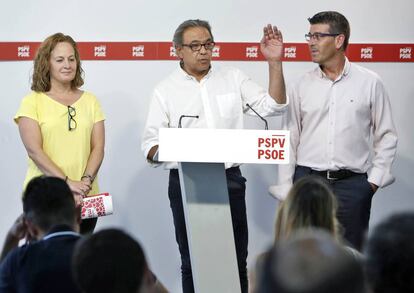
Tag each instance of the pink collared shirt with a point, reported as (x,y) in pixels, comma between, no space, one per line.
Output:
(341,124)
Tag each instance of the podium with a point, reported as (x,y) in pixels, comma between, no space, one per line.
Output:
(202,154)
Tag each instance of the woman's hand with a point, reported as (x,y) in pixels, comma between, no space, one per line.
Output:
(79,187)
(88,180)
(78,200)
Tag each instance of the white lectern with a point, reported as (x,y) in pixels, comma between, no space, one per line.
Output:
(201,154)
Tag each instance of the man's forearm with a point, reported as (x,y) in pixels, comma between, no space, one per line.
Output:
(277,89)
(151,153)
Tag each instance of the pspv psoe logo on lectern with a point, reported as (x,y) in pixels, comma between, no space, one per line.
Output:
(271,147)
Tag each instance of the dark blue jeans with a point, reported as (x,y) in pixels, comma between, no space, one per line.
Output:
(236,184)
(354,196)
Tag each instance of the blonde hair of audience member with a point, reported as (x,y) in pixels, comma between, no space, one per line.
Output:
(310,203)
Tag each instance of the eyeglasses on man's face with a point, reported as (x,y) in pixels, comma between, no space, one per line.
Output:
(71,121)
(195,47)
(318,36)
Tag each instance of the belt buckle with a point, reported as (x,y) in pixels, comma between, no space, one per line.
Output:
(328,175)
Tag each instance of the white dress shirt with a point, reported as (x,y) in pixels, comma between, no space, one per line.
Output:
(341,124)
(219,100)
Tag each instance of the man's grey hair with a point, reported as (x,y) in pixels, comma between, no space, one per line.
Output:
(179,32)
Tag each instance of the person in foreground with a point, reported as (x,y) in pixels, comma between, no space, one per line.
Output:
(62,126)
(310,205)
(218,97)
(50,221)
(310,262)
(389,254)
(111,261)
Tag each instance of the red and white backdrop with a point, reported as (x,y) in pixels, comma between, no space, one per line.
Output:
(224,51)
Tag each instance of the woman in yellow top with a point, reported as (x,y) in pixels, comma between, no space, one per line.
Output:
(61,126)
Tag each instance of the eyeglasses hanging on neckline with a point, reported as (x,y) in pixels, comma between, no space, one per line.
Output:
(71,121)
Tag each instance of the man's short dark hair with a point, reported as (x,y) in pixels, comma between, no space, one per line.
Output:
(310,262)
(390,255)
(338,24)
(179,32)
(48,201)
(109,261)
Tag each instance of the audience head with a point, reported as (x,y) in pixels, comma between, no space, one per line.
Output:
(47,202)
(390,255)
(310,262)
(309,204)
(43,62)
(109,261)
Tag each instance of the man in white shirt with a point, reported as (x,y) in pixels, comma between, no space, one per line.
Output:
(341,126)
(218,96)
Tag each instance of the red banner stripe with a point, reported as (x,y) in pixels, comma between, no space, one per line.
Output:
(23,51)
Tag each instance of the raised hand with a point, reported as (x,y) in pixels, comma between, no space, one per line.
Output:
(271,44)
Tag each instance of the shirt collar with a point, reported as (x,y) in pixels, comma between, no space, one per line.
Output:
(345,70)
(347,67)
(60,230)
(183,74)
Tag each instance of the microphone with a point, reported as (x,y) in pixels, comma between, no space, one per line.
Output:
(185,116)
(265,121)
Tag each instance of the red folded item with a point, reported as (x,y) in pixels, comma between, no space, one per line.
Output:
(97,206)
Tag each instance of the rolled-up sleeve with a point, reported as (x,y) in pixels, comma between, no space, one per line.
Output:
(157,118)
(291,122)
(258,97)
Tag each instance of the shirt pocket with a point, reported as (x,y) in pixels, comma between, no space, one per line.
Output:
(227,105)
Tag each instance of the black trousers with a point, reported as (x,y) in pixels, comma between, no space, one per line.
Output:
(88,225)
(236,184)
(354,195)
